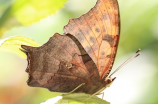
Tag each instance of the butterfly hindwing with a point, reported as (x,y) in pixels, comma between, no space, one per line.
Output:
(60,65)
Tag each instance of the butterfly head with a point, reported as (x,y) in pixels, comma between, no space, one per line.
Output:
(109,81)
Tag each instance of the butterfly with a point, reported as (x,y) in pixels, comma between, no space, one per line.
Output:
(85,53)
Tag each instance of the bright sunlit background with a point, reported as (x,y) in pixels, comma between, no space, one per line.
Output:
(136,83)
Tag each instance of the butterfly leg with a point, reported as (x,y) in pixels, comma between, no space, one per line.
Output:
(77,88)
(102,95)
(97,93)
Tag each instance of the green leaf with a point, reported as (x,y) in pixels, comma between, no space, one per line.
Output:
(13,44)
(26,12)
(30,11)
(81,98)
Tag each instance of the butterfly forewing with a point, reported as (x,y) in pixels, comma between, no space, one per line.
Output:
(98,32)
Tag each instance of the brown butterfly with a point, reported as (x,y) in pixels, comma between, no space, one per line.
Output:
(84,54)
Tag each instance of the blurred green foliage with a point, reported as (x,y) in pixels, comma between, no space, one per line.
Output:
(25,12)
(139,22)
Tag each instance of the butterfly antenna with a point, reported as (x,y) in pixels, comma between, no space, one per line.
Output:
(136,54)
